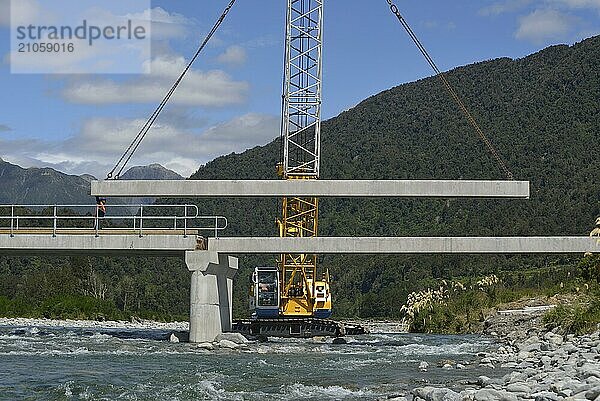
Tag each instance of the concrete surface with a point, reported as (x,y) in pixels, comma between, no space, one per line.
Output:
(118,245)
(211,294)
(177,245)
(405,245)
(319,188)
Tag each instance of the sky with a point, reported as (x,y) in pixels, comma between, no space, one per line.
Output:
(231,99)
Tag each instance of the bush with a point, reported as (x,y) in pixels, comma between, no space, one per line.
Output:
(574,319)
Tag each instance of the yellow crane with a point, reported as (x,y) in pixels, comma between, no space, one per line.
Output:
(297,291)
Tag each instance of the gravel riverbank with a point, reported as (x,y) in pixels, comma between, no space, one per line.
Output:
(542,365)
(85,324)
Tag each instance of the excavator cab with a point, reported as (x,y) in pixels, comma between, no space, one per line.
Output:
(265,297)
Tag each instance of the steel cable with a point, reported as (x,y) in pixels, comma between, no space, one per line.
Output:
(133,146)
(451,90)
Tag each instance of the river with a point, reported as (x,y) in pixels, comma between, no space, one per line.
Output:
(49,363)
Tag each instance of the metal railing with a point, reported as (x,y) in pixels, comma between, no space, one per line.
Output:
(138,218)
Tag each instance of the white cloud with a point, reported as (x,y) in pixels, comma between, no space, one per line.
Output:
(233,55)
(101,141)
(199,88)
(164,25)
(5,128)
(504,7)
(542,25)
(577,4)
(508,6)
(21,11)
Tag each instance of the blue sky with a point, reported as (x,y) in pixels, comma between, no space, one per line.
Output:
(231,100)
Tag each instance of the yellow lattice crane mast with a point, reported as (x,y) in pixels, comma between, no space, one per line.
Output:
(296,288)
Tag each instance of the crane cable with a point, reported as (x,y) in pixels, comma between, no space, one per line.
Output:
(451,90)
(133,146)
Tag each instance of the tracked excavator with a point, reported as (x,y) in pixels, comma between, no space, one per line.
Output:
(294,298)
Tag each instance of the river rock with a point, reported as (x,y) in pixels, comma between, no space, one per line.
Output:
(339,340)
(488,394)
(554,339)
(518,387)
(436,394)
(233,337)
(173,338)
(593,394)
(590,369)
(206,346)
(545,396)
(570,348)
(228,344)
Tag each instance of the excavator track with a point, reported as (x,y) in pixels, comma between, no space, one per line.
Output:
(296,328)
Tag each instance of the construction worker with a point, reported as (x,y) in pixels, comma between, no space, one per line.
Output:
(100,210)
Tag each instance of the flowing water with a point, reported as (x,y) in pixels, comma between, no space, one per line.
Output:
(39,363)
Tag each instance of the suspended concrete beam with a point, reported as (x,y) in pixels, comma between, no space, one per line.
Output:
(405,245)
(318,188)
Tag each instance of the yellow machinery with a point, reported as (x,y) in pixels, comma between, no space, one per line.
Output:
(301,290)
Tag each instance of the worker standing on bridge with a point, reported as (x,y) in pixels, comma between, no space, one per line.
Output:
(100,210)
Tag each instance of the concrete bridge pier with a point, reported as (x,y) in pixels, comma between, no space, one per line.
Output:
(211,293)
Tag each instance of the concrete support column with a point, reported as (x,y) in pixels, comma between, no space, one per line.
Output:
(211,293)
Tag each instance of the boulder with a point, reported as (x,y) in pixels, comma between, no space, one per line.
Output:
(173,338)
(518,387)
(233,337)
(488,394)
(436,394)
(228,344)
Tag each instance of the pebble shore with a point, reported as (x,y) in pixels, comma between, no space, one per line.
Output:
(85,324)
(543,367)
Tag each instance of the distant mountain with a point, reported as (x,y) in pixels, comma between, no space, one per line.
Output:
(41,186)
(46,186)
(88,177)
(151,172)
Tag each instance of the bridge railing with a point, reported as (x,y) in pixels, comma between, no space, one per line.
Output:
(141,219)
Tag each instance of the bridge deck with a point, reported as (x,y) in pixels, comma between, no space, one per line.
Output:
(91,231)
(177,245)
(406,245)
(319,188)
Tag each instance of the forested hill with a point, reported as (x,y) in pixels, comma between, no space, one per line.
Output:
(542,113)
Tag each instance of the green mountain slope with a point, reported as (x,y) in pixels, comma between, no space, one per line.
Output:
(541,112)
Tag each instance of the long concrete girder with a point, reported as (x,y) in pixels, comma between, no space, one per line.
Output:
(406,245)
(308,188)
(105,245)
(177,245)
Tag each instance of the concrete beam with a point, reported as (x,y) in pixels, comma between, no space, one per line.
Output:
(107,245)
(406,245)
(318,188)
